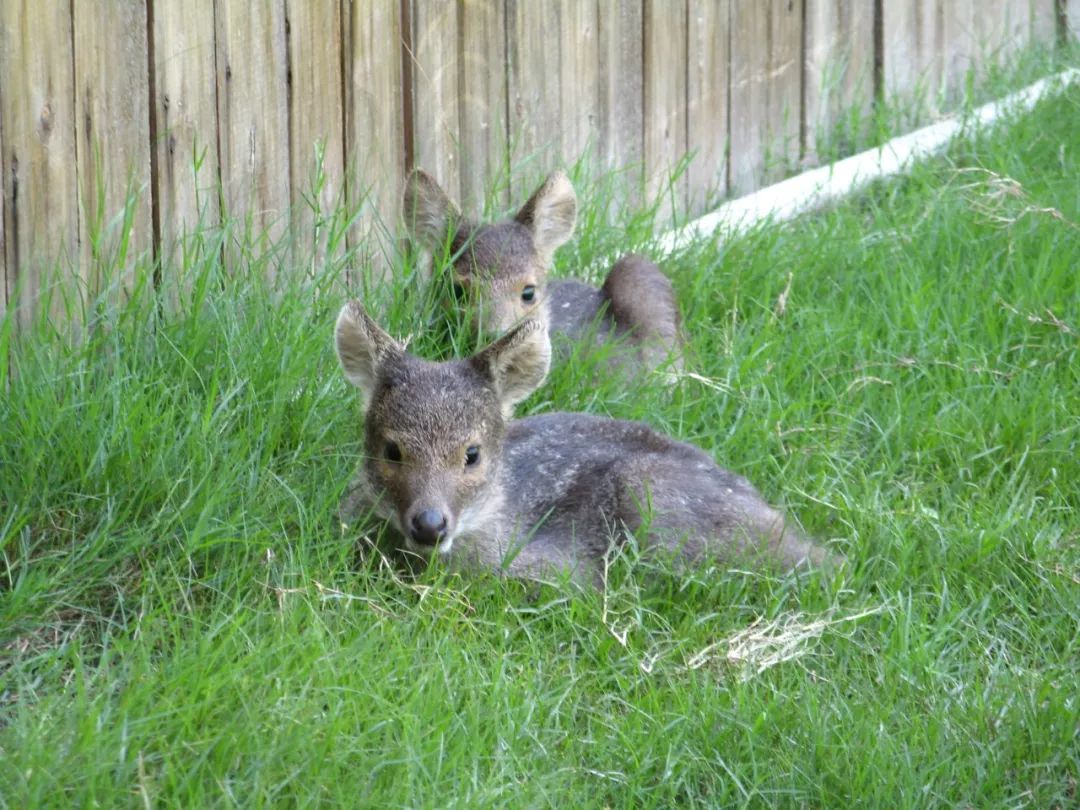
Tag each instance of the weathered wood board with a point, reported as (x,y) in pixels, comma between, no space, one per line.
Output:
(912,50)
(620,124)
(317,134)
(112,130)
(253,114)
(1043,21)
(534,91)
(766,89)
(960,53)
(1000,29)
(375,137)
(664,104)
(5,280)
(1072,18)
(579,81)
(40,182)
(184,110)
(709,44)
(839,70)
(482,120)
(435,111)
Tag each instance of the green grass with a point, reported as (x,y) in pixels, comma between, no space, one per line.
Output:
(183,622)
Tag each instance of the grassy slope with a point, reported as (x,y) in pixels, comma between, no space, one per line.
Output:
(182,621)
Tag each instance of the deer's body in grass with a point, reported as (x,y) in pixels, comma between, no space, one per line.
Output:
(500,273)
(455,477)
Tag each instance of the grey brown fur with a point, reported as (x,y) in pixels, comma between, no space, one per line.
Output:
(544,494)
(495,265)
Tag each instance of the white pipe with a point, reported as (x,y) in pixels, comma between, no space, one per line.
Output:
(793,196)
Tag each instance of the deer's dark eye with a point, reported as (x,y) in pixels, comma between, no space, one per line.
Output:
(472,455)
(392,452)
(528,294)
(459,291)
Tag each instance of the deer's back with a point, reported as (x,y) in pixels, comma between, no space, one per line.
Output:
(576,481)
(569,468)
(636,304)
(573,309)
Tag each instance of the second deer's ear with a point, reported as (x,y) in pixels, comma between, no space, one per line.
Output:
(517,363)
(550,213)
(429,214)
(362,348)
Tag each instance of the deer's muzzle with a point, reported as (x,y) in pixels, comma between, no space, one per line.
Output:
(428,527)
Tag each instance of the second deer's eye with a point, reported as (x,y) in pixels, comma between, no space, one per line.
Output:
(392,452)
(528,294)
(472,455)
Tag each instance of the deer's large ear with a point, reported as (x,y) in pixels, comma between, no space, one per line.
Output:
(429,214)
(362,347)
(550,213)
(516,363)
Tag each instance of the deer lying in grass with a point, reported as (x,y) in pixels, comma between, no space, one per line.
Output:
(457,478)
(500,272)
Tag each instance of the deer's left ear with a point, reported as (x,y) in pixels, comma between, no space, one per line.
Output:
(516,363)
(550,213)
(430,215)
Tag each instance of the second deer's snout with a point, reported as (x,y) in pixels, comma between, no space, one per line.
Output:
(428,527)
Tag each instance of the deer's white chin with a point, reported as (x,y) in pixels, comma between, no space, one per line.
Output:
(442,548)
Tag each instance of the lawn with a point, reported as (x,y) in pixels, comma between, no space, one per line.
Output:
(183,621)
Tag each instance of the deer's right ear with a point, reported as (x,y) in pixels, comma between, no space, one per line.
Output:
(550,213)
(362,347)
(429,214)
(517,363)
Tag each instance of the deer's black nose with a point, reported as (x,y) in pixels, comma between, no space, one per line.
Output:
(428,527)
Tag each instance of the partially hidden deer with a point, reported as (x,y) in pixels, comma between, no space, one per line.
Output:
(457,478)
(500,273)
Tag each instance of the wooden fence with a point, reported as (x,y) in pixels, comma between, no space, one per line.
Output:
(215,107)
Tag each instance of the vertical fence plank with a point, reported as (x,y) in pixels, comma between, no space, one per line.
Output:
(912,43)
(1072,18)
(5,190)
(707,101)
(436,116)
(112,128)
(959,45)
(766,89)
(316,142)
(664,103)
(535,30)
(1043,22)
(184,108)
(38,112)
(622,68)
(253,124)
(482,105)
(579,80)
(839,77)
(1000,30)
(375,133)
(555,89)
